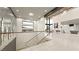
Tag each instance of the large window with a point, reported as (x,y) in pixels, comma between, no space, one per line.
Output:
(27,25)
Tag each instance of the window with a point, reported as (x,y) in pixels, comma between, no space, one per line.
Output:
(27,25)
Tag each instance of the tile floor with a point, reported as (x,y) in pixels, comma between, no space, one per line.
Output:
(57,42)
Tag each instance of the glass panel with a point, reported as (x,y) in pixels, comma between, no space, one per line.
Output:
(7,27)
(0,30)
(27,25)
(37,39)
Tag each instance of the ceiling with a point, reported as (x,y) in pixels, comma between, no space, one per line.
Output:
(23,12)
(5,12)
(73,21)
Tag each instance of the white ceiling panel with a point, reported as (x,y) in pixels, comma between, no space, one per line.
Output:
(5,12)
(38,12)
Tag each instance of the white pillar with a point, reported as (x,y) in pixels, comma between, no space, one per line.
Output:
(19,25)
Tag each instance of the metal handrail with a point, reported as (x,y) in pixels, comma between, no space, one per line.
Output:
(18,32)
(32,39)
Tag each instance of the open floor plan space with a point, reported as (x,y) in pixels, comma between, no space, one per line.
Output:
(39,29)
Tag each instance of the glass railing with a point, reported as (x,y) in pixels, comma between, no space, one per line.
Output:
(23,40)
(35,40)
(5,38)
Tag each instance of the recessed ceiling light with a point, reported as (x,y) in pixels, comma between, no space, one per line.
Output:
(5,7)
(39,16)
(45,10)
(19,16)
(64,12)
(17,10)
(11,14)
(31,14)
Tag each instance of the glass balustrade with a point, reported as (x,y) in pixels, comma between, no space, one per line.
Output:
(37,39)
(7,29)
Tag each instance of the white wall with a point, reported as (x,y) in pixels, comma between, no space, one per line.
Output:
(52,26)
(35,26)
(19,24)
(39,25)
(77,27)
(66,16)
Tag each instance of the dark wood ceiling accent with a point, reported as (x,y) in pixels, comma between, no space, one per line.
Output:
(52,11)
(12,12)
(57,11)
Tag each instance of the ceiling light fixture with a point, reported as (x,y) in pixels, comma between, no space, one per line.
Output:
(11,14)
(45,10)
(64,12)
(39,16)
(19,16)
(17,10)
(31,14)
(5,7)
